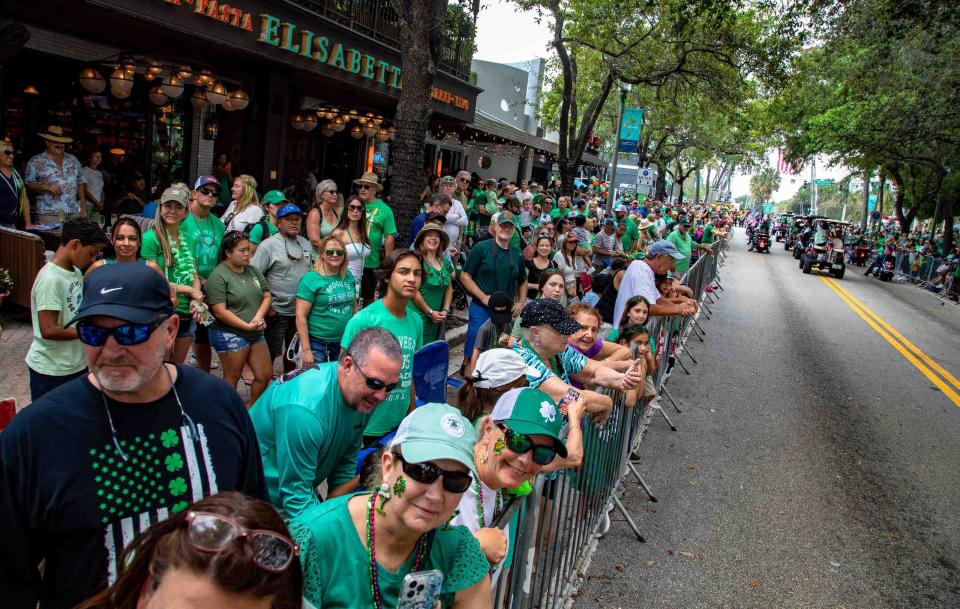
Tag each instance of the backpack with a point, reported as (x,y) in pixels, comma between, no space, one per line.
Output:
(264,227)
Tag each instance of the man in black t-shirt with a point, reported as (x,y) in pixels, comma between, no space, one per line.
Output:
(100,459)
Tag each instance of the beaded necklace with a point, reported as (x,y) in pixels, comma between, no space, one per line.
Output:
(553,362)
(481,513)
(372,553)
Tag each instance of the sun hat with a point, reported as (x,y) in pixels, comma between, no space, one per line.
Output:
(206,181)
(370,179)
(133,293)
(429,227)
(529,411)
(548,312)
(644,224)
(436,431)
(499,367)
(177,193)
(664,247)
(274,197)
(288,209)
(500,305)
(54,133)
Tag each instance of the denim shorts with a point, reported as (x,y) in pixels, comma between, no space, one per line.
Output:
(188,325)
(225,342)
(324,352)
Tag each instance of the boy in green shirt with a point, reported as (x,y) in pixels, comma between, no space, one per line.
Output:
(56,355)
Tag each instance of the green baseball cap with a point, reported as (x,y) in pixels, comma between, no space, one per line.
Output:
(436,431)
(530,411)
(274,197)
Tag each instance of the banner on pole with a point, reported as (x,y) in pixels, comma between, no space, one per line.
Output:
(630,129)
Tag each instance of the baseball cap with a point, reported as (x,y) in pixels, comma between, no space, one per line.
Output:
(619,207)
(664,247)
(609,222)
(274,197)
(288,209)
(506,217)
(178,193)
(500,305)
(206,181)
(684,221)
(436,431)
(530,411)
(133,293)
(547,312)
(499,367)
(448,180)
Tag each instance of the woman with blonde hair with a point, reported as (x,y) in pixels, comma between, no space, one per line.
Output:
(324,216)
(244,210)
(325,303)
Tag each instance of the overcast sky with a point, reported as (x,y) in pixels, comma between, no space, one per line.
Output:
(506,34)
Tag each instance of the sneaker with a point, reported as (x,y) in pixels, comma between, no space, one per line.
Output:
(635,458)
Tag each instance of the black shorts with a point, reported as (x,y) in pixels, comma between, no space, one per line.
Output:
(280,330)
(368,284)
(202,336)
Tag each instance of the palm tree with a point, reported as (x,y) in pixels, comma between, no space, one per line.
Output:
(764,183)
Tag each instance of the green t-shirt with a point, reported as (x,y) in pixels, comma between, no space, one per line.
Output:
(327,530)
(684,246)
(206,237)
(183,268)
(56,289)
(331,300)
(409,332)
(241,292)
(494,269)
(256,232)
(708,236)
(631,235)
(380,223)
(555,213)
(307,434)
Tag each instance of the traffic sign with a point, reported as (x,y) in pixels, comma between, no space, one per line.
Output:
(824,182)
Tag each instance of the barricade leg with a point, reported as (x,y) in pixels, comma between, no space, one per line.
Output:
(629,519)
(662,413)
(672,401)
(636,474)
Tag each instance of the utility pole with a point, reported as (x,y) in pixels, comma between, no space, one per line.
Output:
(866,199)
(624,89)
(813,187)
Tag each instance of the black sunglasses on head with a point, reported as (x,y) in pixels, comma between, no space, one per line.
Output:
(427,473)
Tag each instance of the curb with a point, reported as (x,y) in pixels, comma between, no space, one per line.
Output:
(457,336)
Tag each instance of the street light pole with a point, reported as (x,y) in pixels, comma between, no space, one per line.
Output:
(611,188)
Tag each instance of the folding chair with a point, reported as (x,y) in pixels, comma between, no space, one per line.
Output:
(430,366)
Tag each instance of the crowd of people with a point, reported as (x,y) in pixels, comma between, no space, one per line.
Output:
(134,477)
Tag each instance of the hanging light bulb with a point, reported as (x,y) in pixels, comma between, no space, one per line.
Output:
(185,72)
(172,86)
(381,135)
(297,122)
(121,83)
(356,132)
(369,129)
(204,78)
(309,122)
(378,120)
(392,133)
(199,99)
(154,67)
(228,105)
(338,124)
(239,99)
(326,130)
(158,97)
(216,93)
(92,81)
(128,65)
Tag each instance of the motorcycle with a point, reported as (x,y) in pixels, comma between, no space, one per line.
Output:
(761,242)
(886,269)
(859,255)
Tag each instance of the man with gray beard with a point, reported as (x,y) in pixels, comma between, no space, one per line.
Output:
(98,460)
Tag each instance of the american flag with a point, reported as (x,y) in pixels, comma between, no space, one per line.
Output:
(784,166)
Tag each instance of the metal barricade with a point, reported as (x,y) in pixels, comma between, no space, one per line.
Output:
(558,523)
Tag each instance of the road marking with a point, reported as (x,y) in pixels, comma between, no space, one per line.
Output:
(916,350)
(868,316)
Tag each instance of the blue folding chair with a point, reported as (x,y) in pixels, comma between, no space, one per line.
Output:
(430,366)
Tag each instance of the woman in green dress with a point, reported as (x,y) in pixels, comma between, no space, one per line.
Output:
(436,289)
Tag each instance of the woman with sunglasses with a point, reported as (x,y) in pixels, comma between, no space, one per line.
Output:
(436,288)
(239,298)
(325,215)
(226,550)
(352,232)
(401,528)
(325,302)
(520,439)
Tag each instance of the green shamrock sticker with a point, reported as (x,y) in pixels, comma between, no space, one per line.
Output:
(169,438)
(173,462)
(177,486)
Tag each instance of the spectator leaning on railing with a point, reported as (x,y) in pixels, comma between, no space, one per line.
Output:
(640,280)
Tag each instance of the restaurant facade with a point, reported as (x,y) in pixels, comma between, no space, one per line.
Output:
(286,90)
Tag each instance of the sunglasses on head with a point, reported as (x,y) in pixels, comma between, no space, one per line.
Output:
(427,473)
(372,383)
(208,191)
(126,335)
(520,443)
(212,533)
(333,252)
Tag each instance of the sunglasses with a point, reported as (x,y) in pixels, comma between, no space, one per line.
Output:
(365,186)
(333,252)
(8,152)
(427,473)
(520,444)
(212,533)
(355,207)
(372,383)
(126,335)
(207,191)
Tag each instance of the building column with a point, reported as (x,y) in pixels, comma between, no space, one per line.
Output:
(268,133)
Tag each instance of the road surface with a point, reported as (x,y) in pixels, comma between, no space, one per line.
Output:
(815,466)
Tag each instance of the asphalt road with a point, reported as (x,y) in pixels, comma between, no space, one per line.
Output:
(814,466)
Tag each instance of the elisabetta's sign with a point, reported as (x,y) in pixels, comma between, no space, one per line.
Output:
(318,47)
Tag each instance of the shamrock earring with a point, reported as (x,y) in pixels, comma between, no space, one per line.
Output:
(384,493)
(399,486)
(498,446)
(485,453)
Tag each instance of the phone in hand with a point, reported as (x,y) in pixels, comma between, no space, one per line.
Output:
(568,398)
(420,590)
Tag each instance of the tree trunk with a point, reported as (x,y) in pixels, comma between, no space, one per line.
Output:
(422,24)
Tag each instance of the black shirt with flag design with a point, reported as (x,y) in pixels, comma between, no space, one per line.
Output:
(68,496)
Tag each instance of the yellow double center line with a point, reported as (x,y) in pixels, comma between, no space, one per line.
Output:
(940,377)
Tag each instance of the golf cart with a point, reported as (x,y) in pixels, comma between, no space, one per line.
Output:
(781,227)
(800,235)
(827,255)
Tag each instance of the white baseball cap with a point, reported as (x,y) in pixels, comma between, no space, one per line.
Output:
(499,367)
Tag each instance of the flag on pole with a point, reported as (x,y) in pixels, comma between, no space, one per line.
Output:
(784,166)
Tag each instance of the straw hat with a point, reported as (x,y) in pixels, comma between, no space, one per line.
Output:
(370,179)
(54,133)
(645,224)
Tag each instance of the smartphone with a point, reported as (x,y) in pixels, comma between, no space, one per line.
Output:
(420,590)
(568,398)
(633,367)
